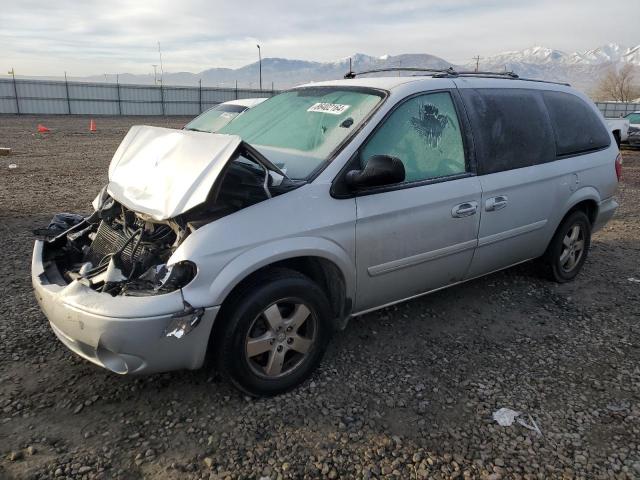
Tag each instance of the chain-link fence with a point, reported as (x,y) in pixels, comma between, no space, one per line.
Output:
(23,96)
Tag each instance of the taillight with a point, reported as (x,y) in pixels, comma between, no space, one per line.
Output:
(619,166)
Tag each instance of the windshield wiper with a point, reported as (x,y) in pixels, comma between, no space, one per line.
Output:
(196,130)
(263,160)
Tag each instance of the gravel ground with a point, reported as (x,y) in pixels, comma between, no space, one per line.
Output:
(407,392)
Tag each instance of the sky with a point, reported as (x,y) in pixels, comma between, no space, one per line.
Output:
(86,37)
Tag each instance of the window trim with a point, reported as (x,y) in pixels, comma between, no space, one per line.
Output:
(339,189)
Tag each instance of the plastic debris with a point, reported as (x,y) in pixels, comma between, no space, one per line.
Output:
(634,280)
(5,151)
(505,416)
(12,166)
(617,406)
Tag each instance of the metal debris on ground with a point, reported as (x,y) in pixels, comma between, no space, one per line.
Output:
(634,280)
(12,166)
(531,426)
(5,151)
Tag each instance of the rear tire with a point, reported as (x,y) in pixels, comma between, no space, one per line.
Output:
(569,248)
(275,332)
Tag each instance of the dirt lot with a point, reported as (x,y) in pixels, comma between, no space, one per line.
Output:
(406,392)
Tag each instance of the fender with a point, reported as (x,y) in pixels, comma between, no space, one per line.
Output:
(580,195)
(252,260)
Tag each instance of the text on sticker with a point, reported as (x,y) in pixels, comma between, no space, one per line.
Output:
(332,108)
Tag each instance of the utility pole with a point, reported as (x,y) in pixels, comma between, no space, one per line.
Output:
(15,89)
(66,86)
(155,74)
(118,93)
(161,68)
(260,64)
(477,59)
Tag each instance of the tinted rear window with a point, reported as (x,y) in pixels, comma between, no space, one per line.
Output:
(577,126)
(511,128)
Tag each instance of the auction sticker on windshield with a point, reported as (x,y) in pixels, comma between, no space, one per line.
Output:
(332,108)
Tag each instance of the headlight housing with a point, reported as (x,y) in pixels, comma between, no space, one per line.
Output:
(175,276)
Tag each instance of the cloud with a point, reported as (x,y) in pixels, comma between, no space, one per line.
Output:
(89,37)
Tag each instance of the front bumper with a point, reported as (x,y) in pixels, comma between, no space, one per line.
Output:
(121,334)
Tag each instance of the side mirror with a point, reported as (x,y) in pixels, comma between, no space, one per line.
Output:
(380,170)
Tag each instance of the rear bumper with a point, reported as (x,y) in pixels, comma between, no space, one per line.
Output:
(122,334)
(606,209)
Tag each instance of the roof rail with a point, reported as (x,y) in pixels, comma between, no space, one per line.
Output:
(449,71)
(489,74)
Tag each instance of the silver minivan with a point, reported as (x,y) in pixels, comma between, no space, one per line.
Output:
(251,247)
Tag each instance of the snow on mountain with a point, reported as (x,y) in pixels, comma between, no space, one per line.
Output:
(533,55)
(632,56)
(609,53)
(582,69)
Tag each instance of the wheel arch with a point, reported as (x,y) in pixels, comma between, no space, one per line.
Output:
(586,200)
(323,261)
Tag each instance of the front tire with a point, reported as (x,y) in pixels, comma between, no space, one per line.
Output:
(569,247)
(274,334)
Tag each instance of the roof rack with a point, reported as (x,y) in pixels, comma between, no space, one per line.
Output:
(448,71)
(451,73)
(488,74)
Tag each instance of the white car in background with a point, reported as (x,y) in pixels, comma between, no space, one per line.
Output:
(619,127)
(217,117)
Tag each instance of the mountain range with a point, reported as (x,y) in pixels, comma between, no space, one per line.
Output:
(582,69)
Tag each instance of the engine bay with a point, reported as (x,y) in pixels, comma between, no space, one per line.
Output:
(118,251)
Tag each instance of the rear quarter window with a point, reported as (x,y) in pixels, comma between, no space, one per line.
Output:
(576,125)
(511,128)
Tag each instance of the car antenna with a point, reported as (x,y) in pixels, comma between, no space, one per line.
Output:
(350,73)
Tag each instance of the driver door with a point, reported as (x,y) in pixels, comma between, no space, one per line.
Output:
(421,234)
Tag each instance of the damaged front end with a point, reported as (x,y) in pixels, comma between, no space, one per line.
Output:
(155,199)
(115,251)
(107,282)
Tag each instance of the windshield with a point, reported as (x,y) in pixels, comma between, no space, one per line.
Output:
(633,118)
(215,118)
(300,129)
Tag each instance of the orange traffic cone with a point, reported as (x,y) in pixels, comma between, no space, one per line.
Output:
(42,129)
(92,126)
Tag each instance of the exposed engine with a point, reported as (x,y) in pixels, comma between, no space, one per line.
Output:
(121,252)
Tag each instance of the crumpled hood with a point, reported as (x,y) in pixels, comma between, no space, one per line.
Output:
(164,172)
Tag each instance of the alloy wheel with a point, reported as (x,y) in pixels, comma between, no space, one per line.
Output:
(280,338)
(572,248)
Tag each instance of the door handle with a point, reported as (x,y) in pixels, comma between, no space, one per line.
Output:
(464,209)
(495,203)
